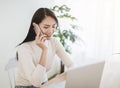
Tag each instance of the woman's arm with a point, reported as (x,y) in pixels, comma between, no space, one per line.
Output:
(34,73)
(40,39)
(60,51)
(30,71)
(57,79)
(63,55)
(43,57)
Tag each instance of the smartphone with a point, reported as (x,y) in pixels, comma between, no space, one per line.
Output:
(41,32)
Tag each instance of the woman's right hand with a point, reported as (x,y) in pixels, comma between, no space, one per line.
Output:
(40,38)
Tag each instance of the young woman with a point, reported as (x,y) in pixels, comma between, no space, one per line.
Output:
(36,53)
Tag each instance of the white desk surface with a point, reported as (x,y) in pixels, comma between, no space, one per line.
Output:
(58,85)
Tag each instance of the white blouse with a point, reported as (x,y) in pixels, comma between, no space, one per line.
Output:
(30,72)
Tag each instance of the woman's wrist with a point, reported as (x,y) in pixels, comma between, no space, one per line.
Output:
(44,49)
(43,57)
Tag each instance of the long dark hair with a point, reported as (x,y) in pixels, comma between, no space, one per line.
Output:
(38,16)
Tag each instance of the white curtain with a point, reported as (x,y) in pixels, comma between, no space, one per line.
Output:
(104,29)
(100,20)
(108,42)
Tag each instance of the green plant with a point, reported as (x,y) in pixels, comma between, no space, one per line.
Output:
(65,34)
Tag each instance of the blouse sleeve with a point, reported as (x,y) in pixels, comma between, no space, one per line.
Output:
(64,56)
(34,73)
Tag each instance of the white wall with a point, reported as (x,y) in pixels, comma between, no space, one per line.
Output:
(15,17)
(117,27)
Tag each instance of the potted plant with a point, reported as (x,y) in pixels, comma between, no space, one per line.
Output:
(65,34)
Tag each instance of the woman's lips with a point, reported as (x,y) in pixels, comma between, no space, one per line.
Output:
(49,35)
(48,38)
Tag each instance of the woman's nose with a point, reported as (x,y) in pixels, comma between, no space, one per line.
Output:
(51,30)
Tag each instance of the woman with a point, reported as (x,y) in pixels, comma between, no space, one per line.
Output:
(36,53)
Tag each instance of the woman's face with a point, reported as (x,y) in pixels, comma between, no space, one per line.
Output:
(48,26)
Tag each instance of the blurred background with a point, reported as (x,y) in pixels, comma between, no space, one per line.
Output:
(98,20)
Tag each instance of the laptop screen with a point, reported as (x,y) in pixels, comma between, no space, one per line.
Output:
(85,77)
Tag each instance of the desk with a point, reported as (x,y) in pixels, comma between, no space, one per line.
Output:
(56,82)
(58,85)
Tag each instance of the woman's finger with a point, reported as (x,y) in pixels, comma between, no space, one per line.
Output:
(38,35)
(41,37)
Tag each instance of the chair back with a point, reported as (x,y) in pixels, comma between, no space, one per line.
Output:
(11,68)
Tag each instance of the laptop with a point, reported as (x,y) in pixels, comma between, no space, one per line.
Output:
(86,76)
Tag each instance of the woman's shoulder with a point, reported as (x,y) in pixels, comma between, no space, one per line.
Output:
(54,40)
(26,45)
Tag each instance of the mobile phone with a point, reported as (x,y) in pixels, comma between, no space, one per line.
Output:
(41,32)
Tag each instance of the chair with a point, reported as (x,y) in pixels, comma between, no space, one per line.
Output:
(11,68)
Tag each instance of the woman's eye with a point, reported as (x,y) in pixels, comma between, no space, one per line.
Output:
(54,27)
(46,27)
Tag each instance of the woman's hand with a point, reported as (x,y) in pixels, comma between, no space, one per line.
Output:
(40,38)
(57,79)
